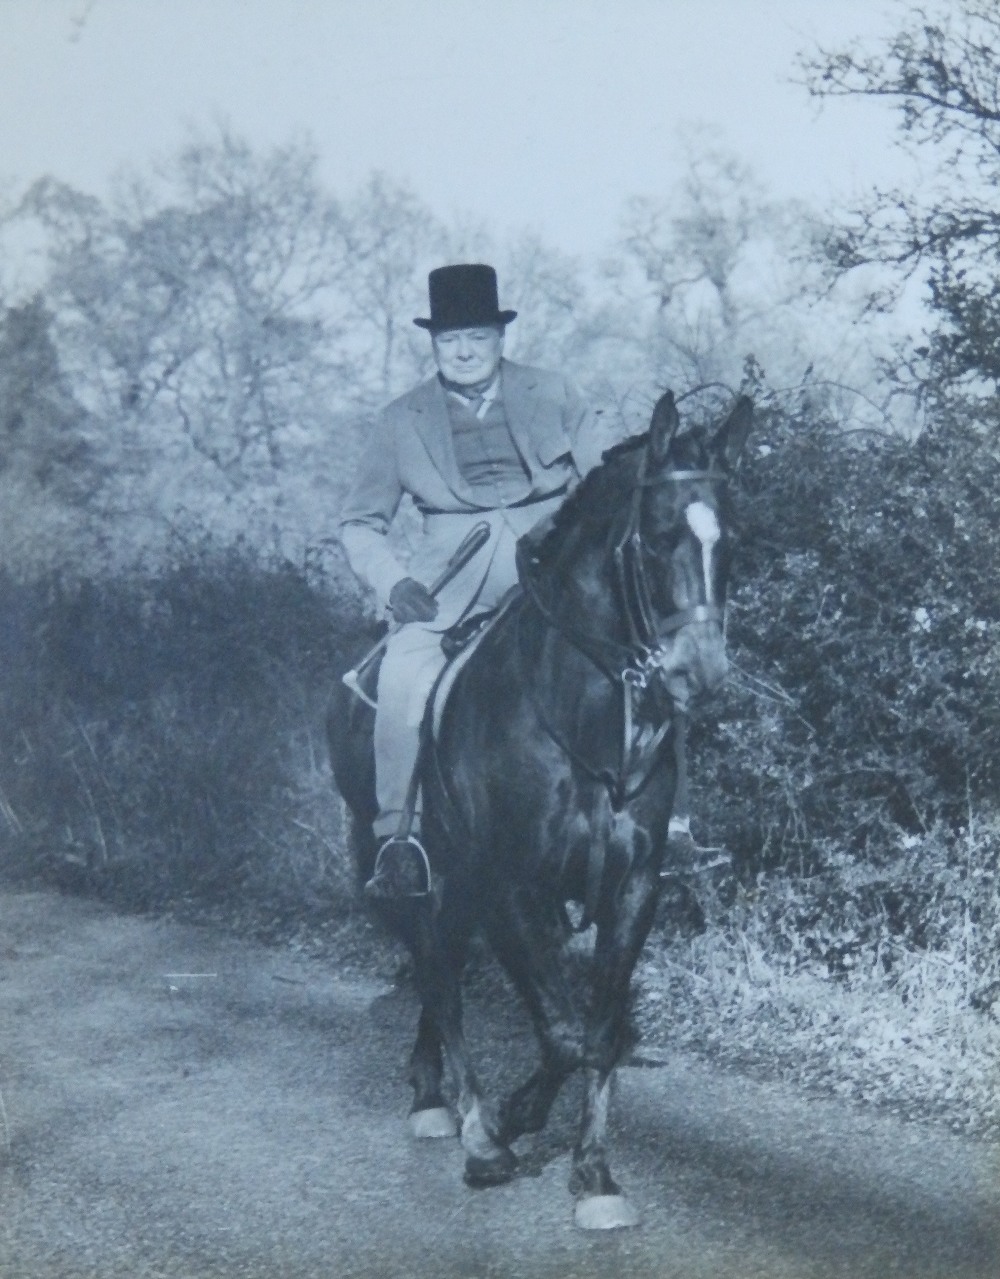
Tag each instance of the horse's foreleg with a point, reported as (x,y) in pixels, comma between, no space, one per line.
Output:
(620,938)
(528,944)
(488,1159)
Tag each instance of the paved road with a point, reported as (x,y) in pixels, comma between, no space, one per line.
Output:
(181,1104)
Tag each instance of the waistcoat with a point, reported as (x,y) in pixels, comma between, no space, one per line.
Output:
(487,455)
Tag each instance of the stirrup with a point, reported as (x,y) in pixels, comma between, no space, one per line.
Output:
(391,878)
(691,858)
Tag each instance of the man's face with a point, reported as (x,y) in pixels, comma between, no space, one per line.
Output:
(468,356)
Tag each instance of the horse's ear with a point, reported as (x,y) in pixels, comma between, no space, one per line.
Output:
(731,437)
(663,426)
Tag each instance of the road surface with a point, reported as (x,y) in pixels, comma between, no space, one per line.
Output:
(180,1103)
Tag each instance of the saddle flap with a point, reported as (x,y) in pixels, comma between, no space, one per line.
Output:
(464,638)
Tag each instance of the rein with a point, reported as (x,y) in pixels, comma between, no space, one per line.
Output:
(631,666)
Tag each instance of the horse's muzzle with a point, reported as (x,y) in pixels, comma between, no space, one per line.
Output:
(697,666)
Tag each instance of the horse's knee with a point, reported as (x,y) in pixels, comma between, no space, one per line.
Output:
(608,1041)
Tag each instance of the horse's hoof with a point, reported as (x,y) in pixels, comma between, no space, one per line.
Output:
(605,1212)
(494,1171)
(438,1121)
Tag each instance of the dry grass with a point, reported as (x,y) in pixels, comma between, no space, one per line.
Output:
(914,1030)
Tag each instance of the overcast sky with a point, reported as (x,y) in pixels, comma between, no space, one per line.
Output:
(525,113)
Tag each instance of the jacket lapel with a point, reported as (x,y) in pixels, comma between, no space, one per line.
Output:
(521,405)
(433,425)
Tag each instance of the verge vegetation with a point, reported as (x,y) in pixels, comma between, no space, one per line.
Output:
(162,747)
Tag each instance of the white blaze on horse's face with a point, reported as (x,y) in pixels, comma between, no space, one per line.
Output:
(704,524)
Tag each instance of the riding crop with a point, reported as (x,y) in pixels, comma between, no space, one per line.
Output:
(474,540)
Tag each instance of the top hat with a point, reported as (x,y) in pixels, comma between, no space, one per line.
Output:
(463,297)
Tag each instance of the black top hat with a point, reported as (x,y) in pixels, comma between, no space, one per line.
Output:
(463,297)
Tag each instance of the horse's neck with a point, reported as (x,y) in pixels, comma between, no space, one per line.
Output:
(579,584)
(580,570)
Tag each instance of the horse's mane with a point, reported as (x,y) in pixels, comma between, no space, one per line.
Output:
(605,489)
(600,493)
(624,446)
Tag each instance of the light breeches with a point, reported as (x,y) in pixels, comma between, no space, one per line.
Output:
(413,659)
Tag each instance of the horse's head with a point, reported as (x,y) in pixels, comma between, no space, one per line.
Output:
(673,558)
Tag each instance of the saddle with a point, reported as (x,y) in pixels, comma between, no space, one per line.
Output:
(456,638)
(402,868)
(454,642)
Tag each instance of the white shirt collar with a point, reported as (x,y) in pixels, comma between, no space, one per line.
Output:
(488,396)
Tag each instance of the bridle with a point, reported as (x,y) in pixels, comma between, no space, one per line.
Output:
(636,662)
(632,665)
(648,635)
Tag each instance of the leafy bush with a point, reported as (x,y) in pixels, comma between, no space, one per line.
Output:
(863,630)
(881,983)
(163,733)
(852,771)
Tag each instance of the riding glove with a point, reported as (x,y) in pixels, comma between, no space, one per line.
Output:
(411,601)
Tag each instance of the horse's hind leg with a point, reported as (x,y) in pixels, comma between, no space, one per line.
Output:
(528,938)
(429,1115)
(438,948)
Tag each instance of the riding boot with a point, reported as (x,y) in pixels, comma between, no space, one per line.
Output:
(401,868)
(412,661)
(680,842)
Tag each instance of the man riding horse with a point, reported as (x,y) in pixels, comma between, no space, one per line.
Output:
(486,440)
(549,775)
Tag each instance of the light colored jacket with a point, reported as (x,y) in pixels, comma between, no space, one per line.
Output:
(411,451)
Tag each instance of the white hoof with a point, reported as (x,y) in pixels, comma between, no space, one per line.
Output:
(437,1122)
(605,1212)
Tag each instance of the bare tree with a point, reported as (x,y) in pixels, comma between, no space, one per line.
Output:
(552,303)
(192,315)
(712,274)
(47,471)
(387,241)
(201,296)
(941,73)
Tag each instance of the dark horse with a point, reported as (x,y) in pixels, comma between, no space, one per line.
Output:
(549,778)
